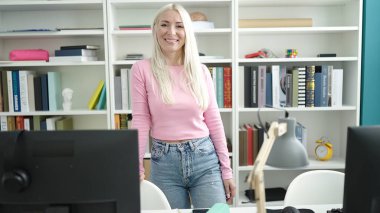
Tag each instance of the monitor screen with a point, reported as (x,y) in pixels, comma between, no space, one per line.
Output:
(362,173)
(79,171)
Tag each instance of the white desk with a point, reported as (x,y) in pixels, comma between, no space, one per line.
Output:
(315,208)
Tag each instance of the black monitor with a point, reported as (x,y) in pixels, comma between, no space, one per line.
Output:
(82,171)
(362,173)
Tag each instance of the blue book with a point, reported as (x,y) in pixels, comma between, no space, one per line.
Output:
(75,52)
(325,86)
(54,91)
(220,86)
(44,92)
(102,99)
(16,91)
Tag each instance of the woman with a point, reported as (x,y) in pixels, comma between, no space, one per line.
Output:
(173,99)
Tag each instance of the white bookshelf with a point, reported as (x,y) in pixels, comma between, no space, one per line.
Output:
(88,17)
(337,28)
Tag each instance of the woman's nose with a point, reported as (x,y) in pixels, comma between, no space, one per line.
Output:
(172,30)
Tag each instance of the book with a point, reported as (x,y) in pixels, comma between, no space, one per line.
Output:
(65,123)
(281,22)
(16,91)
(220,86)
(50,122)
(95,95)
(102,100)
(261,86)
(44,92)
(72,58)
(25,91)
(75,52)
(54,91)
(336,87)
(10,91)
(227,87)
(89,47)
(37,93)
(310,86)
(124,87)
(117,92)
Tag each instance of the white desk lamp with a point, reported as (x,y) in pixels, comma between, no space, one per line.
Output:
(287,152)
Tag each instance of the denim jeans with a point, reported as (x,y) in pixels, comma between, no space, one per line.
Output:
(188,169)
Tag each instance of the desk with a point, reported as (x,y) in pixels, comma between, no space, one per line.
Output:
(315,208)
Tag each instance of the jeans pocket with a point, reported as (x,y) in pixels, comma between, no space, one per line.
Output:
(157,151)
(205,148)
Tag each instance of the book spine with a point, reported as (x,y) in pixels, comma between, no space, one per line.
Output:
(324,99)
(37,93)
(227,87)
(124,87)
(301,87)
(268,90)
(75,52)
(310,86)
(247,87)
(10,91)
(44,92)
(219,86)
(262,86)
(117,92)
(254,86)
(276,85)
(295,87)
(54,91)
(4,85)
(16,91)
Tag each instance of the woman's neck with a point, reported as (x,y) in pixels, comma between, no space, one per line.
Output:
(174,59)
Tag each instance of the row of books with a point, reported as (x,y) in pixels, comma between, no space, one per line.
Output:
(75,53)
(222,78)
(27,91)
(123,121)
(35,123)
(296,86)
(251,138)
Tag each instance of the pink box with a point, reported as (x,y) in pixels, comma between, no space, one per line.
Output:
(29,55)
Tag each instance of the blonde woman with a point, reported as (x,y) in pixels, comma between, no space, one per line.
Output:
(173,100)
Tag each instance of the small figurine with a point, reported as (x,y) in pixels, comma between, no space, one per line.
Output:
(67,94)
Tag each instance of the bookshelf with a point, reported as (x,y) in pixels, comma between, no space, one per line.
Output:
(88,18)
(336,23)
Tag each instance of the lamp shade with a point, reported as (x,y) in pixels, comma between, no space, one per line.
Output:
(287,150)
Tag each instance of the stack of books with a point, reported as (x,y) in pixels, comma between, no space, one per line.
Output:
(75,53)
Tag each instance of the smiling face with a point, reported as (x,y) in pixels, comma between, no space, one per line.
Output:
(170,33)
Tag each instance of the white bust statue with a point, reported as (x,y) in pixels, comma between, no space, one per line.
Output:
(67,94)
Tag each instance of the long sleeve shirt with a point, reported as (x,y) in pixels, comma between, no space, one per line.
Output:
(183,119)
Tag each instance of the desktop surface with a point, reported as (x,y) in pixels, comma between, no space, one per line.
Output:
(316,208)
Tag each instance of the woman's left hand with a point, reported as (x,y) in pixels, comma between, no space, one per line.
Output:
(230,189)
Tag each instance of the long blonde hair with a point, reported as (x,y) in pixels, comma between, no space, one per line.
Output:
(193,70)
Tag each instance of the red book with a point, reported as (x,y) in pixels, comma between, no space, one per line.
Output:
(227,78)
(250,156)
(19,122)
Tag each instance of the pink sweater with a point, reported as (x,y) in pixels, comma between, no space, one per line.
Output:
(179,121)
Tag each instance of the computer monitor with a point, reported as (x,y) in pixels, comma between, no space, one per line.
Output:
(362,173)
(83,171)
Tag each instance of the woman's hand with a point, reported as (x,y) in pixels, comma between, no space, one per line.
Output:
(230,189)
(142,177)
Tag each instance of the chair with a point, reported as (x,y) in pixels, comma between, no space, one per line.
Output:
(316,187)
(152,198)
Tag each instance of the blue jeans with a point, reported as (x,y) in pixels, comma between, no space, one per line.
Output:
(188,169)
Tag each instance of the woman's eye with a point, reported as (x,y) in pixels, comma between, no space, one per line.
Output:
(164,25)
(179,26)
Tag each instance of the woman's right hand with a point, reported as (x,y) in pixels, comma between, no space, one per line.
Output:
(142,177)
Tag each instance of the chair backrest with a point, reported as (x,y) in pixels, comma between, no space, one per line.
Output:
(316,187)
(152,198)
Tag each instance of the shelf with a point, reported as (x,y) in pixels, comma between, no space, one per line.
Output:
(124,33)
(50,5)
(49,64)
(290,60)
(278,3)
(44,34)
(314,164)
(297,30)
(155,4)
(300,109)
(60,112)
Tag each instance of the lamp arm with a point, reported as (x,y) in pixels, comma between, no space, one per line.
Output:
(256,176)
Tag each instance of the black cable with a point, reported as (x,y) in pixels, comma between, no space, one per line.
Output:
(261,123)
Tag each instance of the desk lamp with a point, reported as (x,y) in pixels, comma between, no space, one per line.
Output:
(281,149)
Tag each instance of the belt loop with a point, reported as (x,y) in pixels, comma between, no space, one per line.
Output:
(192,146)
(166,148)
